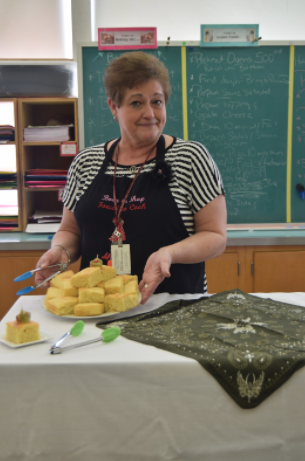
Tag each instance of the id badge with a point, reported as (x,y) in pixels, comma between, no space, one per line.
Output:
(120,256)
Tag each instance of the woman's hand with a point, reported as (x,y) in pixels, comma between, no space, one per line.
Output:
(55,255)
(67,236)
(208,242)
(156,269)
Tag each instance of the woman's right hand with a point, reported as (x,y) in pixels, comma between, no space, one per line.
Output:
(156,269)
(55,255)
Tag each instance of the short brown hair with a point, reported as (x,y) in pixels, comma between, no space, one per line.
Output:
(131,70)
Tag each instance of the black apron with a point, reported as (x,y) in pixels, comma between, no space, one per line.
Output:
(151,220)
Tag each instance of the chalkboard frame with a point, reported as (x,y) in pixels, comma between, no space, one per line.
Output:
(181,45)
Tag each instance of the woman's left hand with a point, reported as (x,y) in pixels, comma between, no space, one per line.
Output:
(156,269)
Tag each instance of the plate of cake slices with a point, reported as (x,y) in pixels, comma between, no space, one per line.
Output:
(94,292)
(80,317)
(23,332)
(43,337)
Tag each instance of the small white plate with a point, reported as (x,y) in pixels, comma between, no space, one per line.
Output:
(43,337)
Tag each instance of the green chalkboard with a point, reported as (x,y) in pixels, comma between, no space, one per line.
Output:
(238,108)
(99,125)
(298,140)
(237,105)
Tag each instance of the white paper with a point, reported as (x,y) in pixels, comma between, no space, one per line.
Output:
(42,228)
(120,256)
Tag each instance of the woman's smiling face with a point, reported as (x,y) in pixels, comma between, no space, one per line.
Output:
(142,114)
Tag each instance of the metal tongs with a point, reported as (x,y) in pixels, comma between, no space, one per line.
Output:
(27,275)
(107,336)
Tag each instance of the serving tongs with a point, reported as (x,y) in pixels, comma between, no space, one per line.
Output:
(107,336)
(76,330)
(27,275)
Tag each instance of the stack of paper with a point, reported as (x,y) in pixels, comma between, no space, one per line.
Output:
(45,178)
(48,133)
(44,221)
(8,217)
(8,222)
(7,133)
(8,180)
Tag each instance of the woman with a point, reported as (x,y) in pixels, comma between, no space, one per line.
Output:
(163,196)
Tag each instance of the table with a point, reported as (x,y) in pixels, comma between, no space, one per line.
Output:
(128,401)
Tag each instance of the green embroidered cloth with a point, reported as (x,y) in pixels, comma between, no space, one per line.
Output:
(249,344)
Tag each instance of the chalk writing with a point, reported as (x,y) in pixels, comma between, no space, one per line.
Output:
(236,104)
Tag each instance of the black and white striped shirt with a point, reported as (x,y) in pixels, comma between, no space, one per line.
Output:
(195,180)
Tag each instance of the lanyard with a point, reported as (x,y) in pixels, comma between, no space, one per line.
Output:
(119,234)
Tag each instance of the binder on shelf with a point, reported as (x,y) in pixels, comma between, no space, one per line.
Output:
(45,178)
(45,183)
(8,180)
(45,171)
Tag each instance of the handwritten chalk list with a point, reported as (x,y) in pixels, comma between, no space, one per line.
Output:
(238,108)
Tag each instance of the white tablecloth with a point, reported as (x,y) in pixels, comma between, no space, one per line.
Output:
(132,402)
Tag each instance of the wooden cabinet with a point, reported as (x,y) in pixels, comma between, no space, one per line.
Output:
(227,271)
(42,154)
(258,269)
(253,269)
(277,269)
(12,264)
(10,196)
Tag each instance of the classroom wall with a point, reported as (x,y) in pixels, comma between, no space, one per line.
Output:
(180,20)
(25,25)
(35,29)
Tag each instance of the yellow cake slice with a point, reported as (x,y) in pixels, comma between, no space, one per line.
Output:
(69,289)
(131,287)
(89,309)
(62,306)
(128,278)
(59,280)
(54,292)
(88,277)
(22,330)
(121,302)
(115,285)
(131,300)
(20,333)
(108,272)
(91,295)
(115,302)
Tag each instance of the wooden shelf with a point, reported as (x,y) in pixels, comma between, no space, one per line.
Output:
(38,112)
(15,143)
